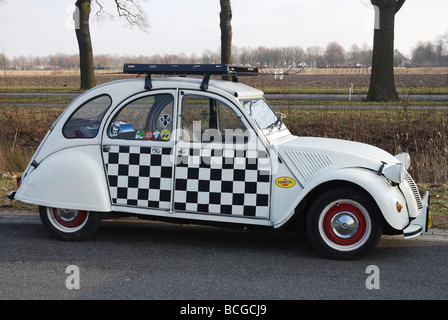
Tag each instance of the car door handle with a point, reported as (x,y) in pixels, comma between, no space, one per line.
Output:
(182,151)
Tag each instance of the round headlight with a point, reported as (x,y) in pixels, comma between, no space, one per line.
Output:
(404,158)
(395,172)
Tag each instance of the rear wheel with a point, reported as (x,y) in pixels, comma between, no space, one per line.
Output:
(344,224)
(70,225)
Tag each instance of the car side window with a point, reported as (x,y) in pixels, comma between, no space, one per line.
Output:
(85,121)
(148,118)
(206,119)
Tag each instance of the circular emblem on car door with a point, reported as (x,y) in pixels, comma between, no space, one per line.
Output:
(165,134)
(285,182)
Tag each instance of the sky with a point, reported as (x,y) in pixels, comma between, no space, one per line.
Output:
(44,27)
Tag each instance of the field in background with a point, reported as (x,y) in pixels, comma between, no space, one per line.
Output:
(422,132)
(429,80)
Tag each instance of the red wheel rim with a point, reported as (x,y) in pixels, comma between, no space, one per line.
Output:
(69,218)
(355,225)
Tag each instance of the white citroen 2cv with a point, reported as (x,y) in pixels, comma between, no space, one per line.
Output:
(212,151)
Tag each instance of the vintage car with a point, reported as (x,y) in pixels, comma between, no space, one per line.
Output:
(196,150)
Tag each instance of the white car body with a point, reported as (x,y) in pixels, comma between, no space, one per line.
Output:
(72,173)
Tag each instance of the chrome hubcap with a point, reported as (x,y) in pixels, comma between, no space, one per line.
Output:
(67,220)
(67,215)
(344,224)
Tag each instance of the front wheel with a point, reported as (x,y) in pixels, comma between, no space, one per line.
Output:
(344,224)
(70,225)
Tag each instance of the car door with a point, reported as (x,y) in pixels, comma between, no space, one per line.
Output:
(137,145)
(222,167)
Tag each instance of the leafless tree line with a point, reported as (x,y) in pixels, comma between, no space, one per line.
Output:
(431,53)
(334,55)
(424,54)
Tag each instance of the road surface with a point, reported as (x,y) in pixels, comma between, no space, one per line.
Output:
(145,260)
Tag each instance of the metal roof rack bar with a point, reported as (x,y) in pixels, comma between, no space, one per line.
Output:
(189,69)
(206,70)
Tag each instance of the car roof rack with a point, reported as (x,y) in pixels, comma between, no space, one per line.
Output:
(207,70)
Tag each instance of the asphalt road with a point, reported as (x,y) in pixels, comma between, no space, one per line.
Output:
(163,261)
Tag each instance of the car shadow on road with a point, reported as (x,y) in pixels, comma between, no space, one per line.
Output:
(197,237)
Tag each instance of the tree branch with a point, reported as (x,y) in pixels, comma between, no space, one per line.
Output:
(129,10)
(132,12)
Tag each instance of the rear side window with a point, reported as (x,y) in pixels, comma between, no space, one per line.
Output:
(86,120)
(148,118)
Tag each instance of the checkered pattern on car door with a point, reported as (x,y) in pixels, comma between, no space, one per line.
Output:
(139,176)
(233,182)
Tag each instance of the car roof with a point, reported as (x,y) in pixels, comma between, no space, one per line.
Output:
(236,89)
(121,89)
(203,70)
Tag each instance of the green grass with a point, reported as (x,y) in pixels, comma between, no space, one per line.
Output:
(336,90)
(40,89)
(317,102)
(7,184)
(438,204)
(34,100)
(268,90)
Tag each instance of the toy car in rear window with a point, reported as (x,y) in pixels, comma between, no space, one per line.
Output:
(212,151)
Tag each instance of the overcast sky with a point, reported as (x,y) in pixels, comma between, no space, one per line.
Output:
(43,27)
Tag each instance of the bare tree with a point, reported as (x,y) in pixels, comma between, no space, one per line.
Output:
(334,55)
(440,47)
(226,31)
(382,82)
(314,56)
(82,30)
(246,55)
(129,10)
(366,55)
(354,56)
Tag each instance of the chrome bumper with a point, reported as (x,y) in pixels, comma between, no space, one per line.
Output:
(422,223)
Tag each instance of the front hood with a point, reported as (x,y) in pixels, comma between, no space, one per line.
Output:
(308,156)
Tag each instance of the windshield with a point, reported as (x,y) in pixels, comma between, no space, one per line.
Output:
(262,113)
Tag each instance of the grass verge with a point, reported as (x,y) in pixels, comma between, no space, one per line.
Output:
(41,89)
(338,90)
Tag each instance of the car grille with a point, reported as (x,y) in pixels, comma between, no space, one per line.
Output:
(415,191)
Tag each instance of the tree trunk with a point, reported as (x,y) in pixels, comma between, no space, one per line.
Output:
(85,45)
(226,31)
(382,82)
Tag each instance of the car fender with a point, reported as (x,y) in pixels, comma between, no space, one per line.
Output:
(383,193)
(71,178)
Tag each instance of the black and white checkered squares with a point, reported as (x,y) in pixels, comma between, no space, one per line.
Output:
(230,182)
(139,176)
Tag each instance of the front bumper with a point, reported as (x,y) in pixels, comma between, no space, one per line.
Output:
(422,223)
